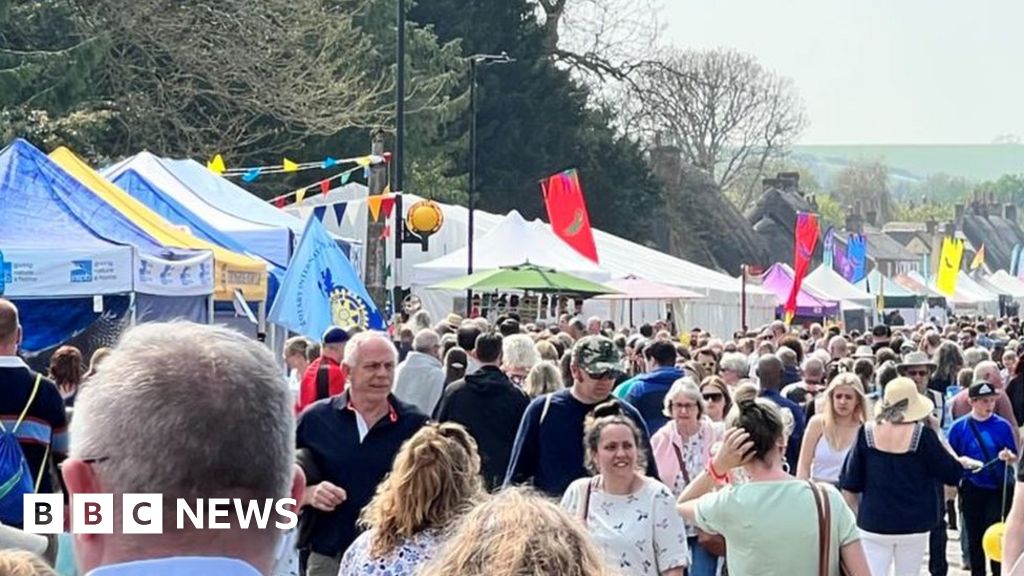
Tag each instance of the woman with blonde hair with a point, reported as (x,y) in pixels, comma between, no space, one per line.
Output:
(630,516)
(546,350)
(518,533)
(435,479)
(831,433)
(543,378)
(22,563)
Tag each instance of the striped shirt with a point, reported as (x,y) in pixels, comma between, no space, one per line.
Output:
(45,424)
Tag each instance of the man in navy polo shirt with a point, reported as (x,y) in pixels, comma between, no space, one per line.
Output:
(42,433)
(347,444)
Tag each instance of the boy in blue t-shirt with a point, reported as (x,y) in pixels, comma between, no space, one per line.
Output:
(989,438)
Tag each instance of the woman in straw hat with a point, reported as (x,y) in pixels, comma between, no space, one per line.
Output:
(894,467)
(831,434)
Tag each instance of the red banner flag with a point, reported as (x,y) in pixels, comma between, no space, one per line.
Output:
(567,212)
(806,239)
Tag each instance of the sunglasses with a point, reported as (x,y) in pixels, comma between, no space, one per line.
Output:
(714,397)
(602,375)
(917,372)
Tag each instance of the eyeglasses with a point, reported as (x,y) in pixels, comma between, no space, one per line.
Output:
(713,397)
(681,405)
(917,372)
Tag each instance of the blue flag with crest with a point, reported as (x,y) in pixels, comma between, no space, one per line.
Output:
(321,289)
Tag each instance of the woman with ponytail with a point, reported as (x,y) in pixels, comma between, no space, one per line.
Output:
(435,479)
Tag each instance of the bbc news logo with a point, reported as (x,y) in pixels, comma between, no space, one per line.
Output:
(144,513)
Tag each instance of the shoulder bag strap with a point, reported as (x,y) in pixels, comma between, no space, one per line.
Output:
(323,380)
(915,440)
(682,464)
(979,439)
(547,404)
(31,399)
(822,529)
(586,500)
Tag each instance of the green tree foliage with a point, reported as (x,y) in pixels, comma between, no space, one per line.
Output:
(1008,188)
(864,184)
(534,120)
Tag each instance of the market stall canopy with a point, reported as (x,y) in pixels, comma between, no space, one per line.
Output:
(1001,282)
(636,288)
(779,280)
(232,271)
(526,277)
(272,243)
(510,243)
(893,294)
(46,250)
(829,283)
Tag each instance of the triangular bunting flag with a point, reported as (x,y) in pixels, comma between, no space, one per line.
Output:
(364,161)
(289,166)
(325,187)
(374,202)
(252,174)
(387,205)
(217,165)
(319,212)
(300,194)
(279,202)
(329,163)
(339,211)
(366,172)
(385,232)
(345,176)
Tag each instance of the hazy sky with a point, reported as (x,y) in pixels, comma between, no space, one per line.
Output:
(878,71)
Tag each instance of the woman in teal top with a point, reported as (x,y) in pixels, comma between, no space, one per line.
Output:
(770,523)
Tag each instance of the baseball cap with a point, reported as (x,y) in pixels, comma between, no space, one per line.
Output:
(595,354)
(981,389)
(335,335)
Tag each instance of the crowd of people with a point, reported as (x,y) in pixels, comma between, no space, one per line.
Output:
(513,447)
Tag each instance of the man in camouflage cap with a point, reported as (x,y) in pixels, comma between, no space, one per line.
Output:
(548,450)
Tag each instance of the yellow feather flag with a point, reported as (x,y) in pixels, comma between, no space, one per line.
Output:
(299,195)
(374,204)
(979,258)
(216,165)
(949,265)
(289,166)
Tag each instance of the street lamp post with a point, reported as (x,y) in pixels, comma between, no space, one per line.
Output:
(474,61)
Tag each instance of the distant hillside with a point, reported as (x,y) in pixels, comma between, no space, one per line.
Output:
(911,162)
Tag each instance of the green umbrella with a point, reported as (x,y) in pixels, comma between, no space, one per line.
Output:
(526,277)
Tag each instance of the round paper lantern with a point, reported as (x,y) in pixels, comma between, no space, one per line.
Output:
(424,217)
(992,541)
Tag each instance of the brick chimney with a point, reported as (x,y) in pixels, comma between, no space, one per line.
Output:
(930,227)
(769,183)
(1010,212)
(872,217)
(789,181)
(854,223)
(958,211)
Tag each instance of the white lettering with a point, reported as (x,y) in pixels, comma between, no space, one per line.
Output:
(218,508)
(184,510)
(262,514)
(286,508)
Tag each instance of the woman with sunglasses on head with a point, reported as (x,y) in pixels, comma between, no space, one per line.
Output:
(682,448)
(631,517)
(716,397)
(831,433)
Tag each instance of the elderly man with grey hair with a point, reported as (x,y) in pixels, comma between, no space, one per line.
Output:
(732,368)
(187,411)
(419,379)
(347,444)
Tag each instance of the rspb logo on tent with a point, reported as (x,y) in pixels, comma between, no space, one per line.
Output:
(81,271)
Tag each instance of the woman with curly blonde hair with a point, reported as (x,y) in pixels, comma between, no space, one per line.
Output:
(518,533)
(435,479)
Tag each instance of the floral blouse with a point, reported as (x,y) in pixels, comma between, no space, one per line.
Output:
(405,560)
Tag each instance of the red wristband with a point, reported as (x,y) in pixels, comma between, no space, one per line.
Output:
(714,473)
